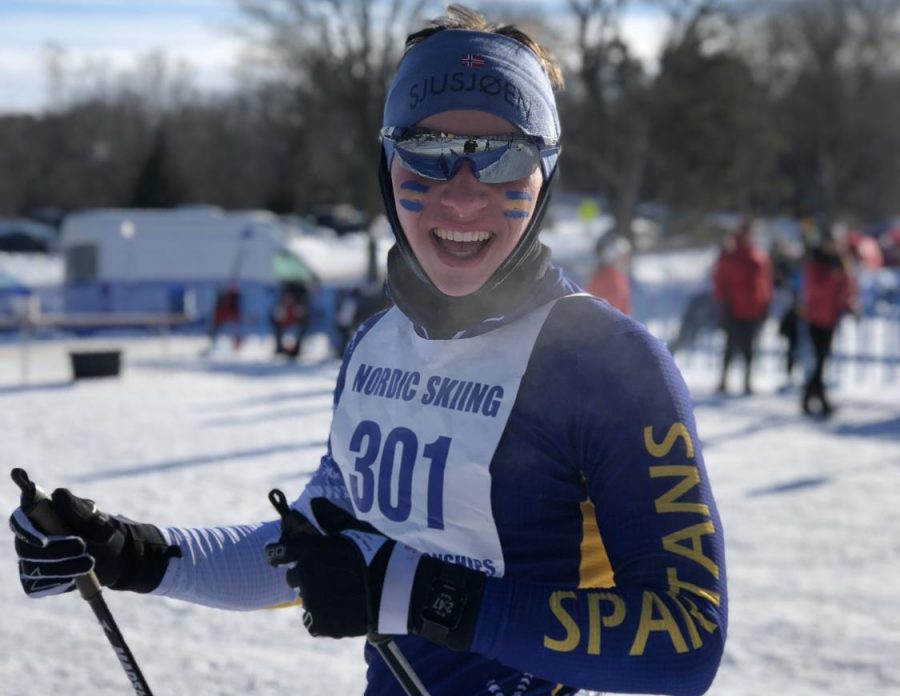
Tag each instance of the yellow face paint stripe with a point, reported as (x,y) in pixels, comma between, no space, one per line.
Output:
(518,205)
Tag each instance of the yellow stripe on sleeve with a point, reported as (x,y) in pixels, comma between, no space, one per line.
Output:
(594,569)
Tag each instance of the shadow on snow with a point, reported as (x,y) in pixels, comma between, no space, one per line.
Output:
(268,417)
(790,486)
(202,460)
(15,389)
(255,368)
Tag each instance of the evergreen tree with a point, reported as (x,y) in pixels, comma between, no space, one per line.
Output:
(715,138)
(157,184)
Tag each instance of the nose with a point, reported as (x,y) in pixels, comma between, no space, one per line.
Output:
(463,193)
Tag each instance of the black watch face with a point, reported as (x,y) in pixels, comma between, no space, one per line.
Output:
(445,604)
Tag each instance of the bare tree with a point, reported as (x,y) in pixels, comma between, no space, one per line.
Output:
(606,110)
(837,66)
(239,151)
(154,79)
(87,155)
(338,58)
(700,132)
(87,148)
(19,166)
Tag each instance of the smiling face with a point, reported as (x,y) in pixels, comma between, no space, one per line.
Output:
(461,230)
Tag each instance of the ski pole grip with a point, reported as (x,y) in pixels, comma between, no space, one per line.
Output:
(38,506)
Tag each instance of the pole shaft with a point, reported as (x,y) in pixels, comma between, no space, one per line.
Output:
(120,647)
(399,665)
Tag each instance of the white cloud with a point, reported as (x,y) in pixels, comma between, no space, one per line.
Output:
(117,40)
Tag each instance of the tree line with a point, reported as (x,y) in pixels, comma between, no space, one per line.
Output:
(755,106)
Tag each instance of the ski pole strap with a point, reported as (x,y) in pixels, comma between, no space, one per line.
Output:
(403,671)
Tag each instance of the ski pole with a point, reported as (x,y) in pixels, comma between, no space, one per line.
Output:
(38,506)
(385,645)
(399,665)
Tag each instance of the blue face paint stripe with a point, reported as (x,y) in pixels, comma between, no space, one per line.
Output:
(518,195)
(516,213)
(414,192)
(411,206)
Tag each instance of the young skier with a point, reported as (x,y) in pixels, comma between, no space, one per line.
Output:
(513,488)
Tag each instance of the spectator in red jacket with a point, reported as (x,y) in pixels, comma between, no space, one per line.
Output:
(609,280)
(828,293)
(290,318)
(742,285)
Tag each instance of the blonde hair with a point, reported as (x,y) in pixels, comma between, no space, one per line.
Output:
(462,17)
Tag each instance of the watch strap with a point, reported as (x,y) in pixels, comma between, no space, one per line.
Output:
(446,600)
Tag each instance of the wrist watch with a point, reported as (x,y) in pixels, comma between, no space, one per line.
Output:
(446,599)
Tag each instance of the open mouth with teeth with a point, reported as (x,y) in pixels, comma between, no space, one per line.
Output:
(460,246)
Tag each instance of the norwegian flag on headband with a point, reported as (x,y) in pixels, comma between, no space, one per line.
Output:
(472,61)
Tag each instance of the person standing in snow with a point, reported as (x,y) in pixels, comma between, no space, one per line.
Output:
(290,317)
(514,488)
(829,292)
(742,285)
(610,280)
(227,310)
(786,273)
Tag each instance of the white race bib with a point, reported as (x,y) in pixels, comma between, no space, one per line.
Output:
(417,426)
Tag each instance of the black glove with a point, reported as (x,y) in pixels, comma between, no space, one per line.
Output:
(125,555)
(355,581)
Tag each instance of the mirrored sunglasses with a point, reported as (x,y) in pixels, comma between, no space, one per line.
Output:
(495,159)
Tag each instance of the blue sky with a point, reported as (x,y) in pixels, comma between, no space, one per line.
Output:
(119,31)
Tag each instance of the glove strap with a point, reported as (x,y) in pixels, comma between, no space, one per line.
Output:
(144,559)
(393,614)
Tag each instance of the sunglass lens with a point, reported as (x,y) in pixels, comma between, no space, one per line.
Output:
(518,161)
(494,162)
(431,167)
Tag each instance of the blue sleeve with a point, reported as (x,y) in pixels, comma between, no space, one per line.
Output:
(658,624)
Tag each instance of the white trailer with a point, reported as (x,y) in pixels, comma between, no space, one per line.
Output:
(136,260)
(181,244)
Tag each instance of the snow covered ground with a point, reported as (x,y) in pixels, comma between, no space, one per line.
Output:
(810,510)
